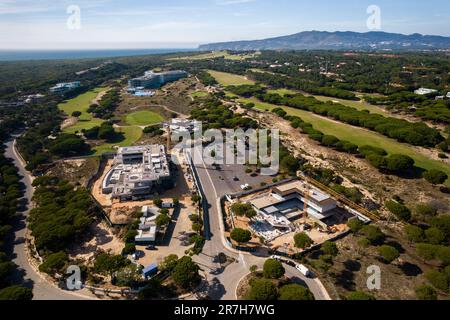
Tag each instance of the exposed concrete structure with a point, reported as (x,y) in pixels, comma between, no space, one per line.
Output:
(136,171)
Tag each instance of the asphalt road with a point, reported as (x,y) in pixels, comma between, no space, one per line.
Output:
(224,281)
(42,289)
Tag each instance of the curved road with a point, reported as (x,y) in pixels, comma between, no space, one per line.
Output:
(226,280)
(223,281)
(42,289)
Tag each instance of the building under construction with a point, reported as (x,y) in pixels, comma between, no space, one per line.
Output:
(136,171)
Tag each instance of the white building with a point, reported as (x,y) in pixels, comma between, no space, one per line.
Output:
(424,91)
(65,86)
(287,202)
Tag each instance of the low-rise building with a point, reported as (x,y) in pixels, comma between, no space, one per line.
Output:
(136,171)
(154,80)
(65,86)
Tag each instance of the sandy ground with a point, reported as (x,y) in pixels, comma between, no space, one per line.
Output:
(104,200)
(100,238)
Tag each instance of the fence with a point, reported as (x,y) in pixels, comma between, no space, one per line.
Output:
(204,202)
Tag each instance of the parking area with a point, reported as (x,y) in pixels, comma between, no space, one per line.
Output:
(229,178)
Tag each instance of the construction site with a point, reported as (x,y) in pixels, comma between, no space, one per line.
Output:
(292,207)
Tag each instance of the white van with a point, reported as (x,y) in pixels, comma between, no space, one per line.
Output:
(303,270)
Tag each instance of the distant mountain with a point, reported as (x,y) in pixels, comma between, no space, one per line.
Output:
(337,41)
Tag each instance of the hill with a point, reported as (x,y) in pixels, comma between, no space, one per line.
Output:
(338,41)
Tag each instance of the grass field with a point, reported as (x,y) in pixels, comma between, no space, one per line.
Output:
(84,124)
(143,118)
(229,79)
(81,103)
(131,134)
(358,136)
(282,92)
(360,105)
(199,94)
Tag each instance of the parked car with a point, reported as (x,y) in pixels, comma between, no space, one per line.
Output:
(167,205)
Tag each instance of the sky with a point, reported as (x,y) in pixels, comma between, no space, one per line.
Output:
(134,24)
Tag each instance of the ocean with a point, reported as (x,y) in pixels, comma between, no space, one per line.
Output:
(21,55)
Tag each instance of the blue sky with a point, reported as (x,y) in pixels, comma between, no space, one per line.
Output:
(42,24)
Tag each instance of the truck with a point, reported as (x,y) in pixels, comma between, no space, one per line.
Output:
(303,270)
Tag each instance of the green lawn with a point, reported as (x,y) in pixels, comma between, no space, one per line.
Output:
(282,92)
(199,94)
(360,105)
(358,136)
(84,124)
(143,118)
(229,79)
(131,134)
(81,103)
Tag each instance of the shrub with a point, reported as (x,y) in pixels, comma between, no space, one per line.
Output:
(414,233)
(434,235)
(435,176)
(364,242)
(367,150)
(399,163)
(129,248)
(16,292)
(330,248)
(273,269)
(360,295)
(54,263)
(162,220)
(388,253)
(241,235)
(262,290)
(377,161)
(302,240)
(243,209)
(437,279)
(425,211)
(373,234)
(424,292)
(295,292)
(355,225)
(185,274)
(157,202)
(399,210)
(329,141)
(76,114)
(427,251)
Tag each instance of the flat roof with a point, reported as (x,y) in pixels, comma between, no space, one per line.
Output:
(303,187)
